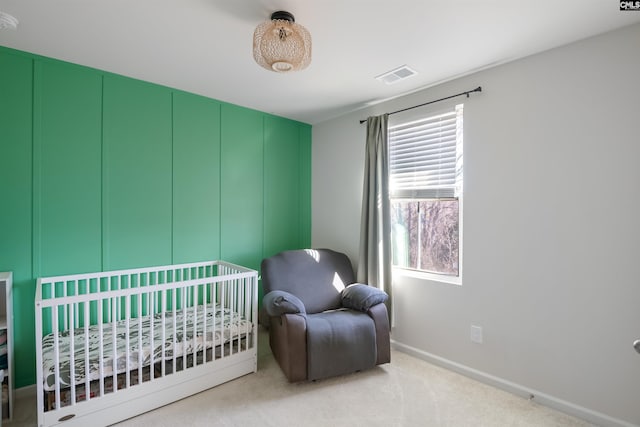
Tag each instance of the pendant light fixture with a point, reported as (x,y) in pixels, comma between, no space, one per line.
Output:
(281,45)
(7,21)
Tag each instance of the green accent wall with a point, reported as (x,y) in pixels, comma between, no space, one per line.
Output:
(103,172)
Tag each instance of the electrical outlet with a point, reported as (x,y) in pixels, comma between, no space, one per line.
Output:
(476,334)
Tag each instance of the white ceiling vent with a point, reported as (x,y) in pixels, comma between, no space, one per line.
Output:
(396,75)
(7,21)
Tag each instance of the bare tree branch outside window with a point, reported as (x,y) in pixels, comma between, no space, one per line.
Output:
(426,235)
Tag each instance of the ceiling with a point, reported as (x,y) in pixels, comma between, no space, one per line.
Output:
(205,46)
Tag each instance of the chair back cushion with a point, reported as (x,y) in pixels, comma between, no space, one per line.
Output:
(315,276)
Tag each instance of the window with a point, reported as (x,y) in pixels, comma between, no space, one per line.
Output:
(425,184)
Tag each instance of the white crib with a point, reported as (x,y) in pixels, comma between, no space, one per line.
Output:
(115,344)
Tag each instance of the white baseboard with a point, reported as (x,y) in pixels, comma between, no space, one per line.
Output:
(586,414)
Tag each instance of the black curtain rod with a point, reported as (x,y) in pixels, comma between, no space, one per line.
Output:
(478,89)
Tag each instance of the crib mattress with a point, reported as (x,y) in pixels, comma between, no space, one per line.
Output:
(222,326)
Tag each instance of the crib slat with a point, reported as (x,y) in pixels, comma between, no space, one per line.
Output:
(56,354)
(72,355)
(114,354)
(239,305)
(243,307)
(222,326)
(65,308)
(87,383)
(231,286)
(238,310)
(195,325)
(245,293)
(140,332)
(233,307)
(101,344)
(185,310)
(216,308)
(76,307)
(152,303)
(205,342)
(127,341)
(249,307)
(163,310)
(174,328)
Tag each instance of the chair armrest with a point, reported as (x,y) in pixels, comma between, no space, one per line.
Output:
(288,342)
(380,318)
(362,297)
(278,303)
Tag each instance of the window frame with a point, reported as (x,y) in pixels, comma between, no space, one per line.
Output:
(406,117)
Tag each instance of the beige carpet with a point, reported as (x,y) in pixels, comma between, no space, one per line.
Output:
(407,392)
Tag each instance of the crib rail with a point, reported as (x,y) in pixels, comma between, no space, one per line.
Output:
(103,333)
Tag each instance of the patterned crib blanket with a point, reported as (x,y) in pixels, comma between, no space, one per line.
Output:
(222,325)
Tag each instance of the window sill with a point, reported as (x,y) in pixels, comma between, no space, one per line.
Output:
(423,275)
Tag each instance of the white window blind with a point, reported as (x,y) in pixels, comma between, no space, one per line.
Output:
(425,157)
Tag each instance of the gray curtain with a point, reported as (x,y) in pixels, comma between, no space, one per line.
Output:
(374,263)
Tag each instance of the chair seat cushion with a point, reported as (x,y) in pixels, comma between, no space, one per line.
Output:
(339,342)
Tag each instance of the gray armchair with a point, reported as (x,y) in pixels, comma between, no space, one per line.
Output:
(321,324)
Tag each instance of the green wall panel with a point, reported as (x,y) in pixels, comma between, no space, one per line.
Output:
(281,185)
(16,75)
(241,186)
(137,183)
(305,185)
(196,178)
(67,169)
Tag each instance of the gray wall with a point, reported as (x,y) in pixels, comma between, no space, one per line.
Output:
(551,199)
